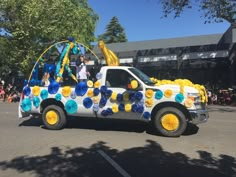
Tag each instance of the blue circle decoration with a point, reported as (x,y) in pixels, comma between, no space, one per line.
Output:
(73,95)
(81,88)
(102,102)
(87,102)
(134,108)
(158,94)
(132,97)
(121,107)
(96,91)
(146,115)
(58,97)
(109,111)
(44,94)
(26,105)
(119,97)
(27,91)
(99,76)
(36,101)
(140,108)
(53,87)
(108,93)
(179,97)
(103,89)
(95,107)
(71,107)
(104,113)
(138,96)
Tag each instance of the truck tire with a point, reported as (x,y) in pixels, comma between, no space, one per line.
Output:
(54,117)
(170,121)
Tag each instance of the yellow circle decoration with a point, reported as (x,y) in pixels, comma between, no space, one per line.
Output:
(90,93)
(128,107)
(95,99)
(134,84)
(90,83)
(189,102)
(36,90)
(149,102)
(97,84)
(115,108)
(126,96)
(51,117)
(149,93)
(113,96)
(168,93)
(66,91)
(170,122)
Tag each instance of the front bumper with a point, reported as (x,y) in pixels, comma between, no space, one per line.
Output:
(199,116)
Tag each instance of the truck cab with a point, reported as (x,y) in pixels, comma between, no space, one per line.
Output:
(119,92)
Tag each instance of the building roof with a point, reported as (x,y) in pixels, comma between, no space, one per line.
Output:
(164,43)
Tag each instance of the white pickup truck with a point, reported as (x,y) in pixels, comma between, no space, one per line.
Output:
(119,92)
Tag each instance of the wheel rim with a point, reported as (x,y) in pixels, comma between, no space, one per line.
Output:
(170,122)
(51,117)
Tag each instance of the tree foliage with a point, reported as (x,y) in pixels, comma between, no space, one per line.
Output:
(114,32)
(213,10)
(35,24)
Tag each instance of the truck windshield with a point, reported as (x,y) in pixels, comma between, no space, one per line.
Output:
(141,76)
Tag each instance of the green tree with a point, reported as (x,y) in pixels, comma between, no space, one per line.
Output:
(213,10)
(35,24)
(114,32)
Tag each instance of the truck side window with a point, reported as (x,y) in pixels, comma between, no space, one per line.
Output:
(117,78)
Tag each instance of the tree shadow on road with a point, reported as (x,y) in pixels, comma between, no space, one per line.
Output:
(107,125)
(148,161)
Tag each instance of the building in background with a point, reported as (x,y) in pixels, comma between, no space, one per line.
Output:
(205,59)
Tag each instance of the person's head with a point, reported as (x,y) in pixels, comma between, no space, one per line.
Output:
(81,57)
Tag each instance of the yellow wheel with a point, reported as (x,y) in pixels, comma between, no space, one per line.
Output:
(54,117)
(170,122)
(51,117)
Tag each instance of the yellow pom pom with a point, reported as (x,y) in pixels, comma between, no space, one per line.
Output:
(128,107)
(90,93)
(134,84)
(168,93)
(66,91)
(149,102)
(188,102)
(90,83)
(149,93)
(113,96)
(115,108)
(36,90)
(97,84)
(95,99)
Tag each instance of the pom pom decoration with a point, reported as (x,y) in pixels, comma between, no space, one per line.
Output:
(103,89)
(27,91)
(81,88)
(149,93)
(26,105)
(31,97)
(90,93)
(95,100)
(126,96)
(179,97)
(90,83)
(134,108)
(44,94)
(73,94)
(87,102)
(149,102)
(188,102)
(96,91)
(168,93)
(103,102)
(128,107)
(99,76)
(119,97)
(108,93)
(71,107)
(146,115)
(66,91)
(158,94)
(132,97)
(121,107)
(58,97)
(115,108)
(95,107)
(36,90)
(134,84)
(113,96)
(53,87)
(140,108)
(97,84)
(36,101)
(138,96)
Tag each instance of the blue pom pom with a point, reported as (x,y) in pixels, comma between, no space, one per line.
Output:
(104,113)
(102,102)
(36,101)
(27,91)
(121,107)
(158,94)
(119,97)
(71,107)
(26,105)
(138,96)
(44,94)
(140,108)
(96,91)
(179,97)
(134,108)
(81,88)
(53,87)
(109,111)
(108,93)
(103,89)
(58,97)
(146,115)
(87,102)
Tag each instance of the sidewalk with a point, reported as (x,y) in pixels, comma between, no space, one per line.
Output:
(221,108)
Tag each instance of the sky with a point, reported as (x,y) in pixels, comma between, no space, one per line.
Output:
(142,20)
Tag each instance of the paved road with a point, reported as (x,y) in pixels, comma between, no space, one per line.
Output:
(116,149)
